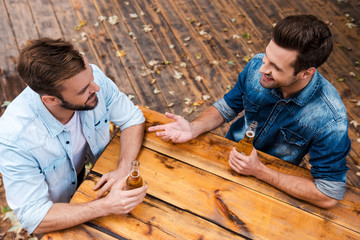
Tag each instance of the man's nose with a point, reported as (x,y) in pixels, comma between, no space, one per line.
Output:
(94,87)
(264,69)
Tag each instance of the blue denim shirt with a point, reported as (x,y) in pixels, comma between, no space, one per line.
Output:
(35,148)
(312,121)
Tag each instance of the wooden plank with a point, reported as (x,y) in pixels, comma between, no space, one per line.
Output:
(22,21)
(234,206)
(153,219)
(133,61)
(45,20)
(111,64)
(164,37)
(207,152)
(10,83)
(67,19)
(78,232)
(151,50)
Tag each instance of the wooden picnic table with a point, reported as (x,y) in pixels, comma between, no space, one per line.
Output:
(193,194)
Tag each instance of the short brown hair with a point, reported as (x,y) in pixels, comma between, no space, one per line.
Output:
(45,63)
(308,35)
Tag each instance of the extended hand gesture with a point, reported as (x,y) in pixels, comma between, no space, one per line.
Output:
(178,131)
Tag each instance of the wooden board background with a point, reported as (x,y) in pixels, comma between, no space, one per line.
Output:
(181,24)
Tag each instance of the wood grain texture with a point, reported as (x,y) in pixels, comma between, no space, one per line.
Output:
(237,207)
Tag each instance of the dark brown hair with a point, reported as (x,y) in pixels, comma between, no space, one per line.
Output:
(308,35)
(45,63)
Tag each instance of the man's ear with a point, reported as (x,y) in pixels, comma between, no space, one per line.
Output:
(308,73)
(50,100)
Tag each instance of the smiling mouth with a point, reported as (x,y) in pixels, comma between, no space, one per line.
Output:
(267,77)
(92,97)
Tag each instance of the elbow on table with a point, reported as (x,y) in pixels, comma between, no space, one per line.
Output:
(328,203)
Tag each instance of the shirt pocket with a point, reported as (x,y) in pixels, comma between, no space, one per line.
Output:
(102,127)
(289,145)
(251,110)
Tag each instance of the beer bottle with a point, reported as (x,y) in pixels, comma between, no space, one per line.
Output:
(134,180)
(245,145)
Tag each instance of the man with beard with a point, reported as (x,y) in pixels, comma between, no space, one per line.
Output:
(298,112)
(46,133)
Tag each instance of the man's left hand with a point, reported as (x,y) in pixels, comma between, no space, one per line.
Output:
(246,165)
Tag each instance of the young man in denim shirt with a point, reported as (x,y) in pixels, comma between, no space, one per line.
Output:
(47,131)
(298,112)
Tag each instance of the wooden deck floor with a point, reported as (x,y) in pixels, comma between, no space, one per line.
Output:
(173,55)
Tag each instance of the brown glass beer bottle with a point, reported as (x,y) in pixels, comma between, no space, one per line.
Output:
(134,180)
(245,145)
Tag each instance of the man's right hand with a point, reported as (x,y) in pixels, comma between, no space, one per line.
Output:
(178,131)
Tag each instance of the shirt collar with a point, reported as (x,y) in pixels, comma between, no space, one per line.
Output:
(51,123)
(302,97)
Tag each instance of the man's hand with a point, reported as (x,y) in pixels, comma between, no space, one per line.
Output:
(121,202)
(178,131)
(108,180)
(246,165)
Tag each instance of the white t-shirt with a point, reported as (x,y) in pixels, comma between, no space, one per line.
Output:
(78,142)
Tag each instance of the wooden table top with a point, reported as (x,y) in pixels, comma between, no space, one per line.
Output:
(193,194)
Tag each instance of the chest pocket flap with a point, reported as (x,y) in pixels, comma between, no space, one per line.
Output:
(292,138)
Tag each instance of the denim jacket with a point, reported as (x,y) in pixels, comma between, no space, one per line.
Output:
(312,121)
(35,148)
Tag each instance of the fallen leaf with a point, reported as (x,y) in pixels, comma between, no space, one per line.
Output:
(172,46)
(113,19)
(126,3)
(225,29)
(157,91)
(236,36)
(355,123)
(178,75)
(215,62)
(130,96)
(358,140)
(133,15)
(206,97)
(350,25)
(188,111)
(233,20)
(5,104)
(147,28)
(96,24)
(231,62)
(167,62)
(153,81)
(199,78)
(358,174)
(199,56)
(229,87)
(340,79)
(120,53)
(172,92)
(188,101)
(132,35)
(352,74)
(170,105)
(102,18)
(82,23)
(83,36)
(182,64)
(187,39)
(202,32)
(246,35)
(142,13)
(183,83)
(153,63)
(246,59)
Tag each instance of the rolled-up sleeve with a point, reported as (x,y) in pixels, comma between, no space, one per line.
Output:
(328,159)
(227,113)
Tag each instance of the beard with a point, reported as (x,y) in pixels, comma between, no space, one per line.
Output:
(87,106)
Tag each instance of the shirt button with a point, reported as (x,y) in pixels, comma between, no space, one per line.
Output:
(281,103)
(106,120)
(67,142)
(73,182)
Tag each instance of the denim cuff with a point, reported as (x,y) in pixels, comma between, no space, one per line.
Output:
(227,113)
(332,189)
